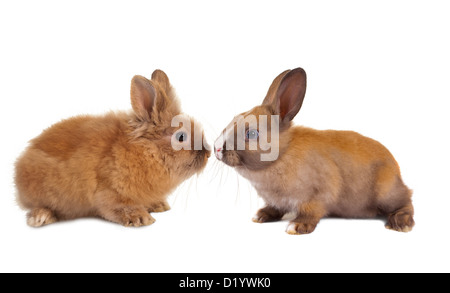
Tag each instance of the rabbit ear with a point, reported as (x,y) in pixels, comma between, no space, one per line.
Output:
(143,96)
(269,100)
(290,94)
(161,78)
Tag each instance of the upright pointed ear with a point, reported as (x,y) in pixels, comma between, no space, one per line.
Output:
(290,94)
(143,96)
(270,97)
(161,78)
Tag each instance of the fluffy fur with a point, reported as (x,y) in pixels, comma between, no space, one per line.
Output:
(320,173)
(120,166)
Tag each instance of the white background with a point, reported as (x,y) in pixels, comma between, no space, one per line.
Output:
(377,67)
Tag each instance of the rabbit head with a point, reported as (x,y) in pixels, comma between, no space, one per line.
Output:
(256,138)
(158,120)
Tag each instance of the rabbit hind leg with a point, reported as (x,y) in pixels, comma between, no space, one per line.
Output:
(39,217)
(397,205)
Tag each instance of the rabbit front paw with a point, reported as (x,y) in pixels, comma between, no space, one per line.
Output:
(134,217)
(160,207)
(295,228)
(268,214)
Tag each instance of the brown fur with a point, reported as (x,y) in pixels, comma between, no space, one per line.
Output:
(321,173)
(119,166)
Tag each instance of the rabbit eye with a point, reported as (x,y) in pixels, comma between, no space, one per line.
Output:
(252,134)
(181,136)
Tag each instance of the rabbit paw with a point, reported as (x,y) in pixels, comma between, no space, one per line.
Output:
(160,207)
(295,228)
(136,217)
(400,221)
(267,214)
(40,217)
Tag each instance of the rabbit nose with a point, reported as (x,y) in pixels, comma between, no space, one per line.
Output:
(218,148)
(218,152)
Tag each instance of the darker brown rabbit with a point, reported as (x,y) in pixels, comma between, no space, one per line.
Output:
(314,173)
(119,166)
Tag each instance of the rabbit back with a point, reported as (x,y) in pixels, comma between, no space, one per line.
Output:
(60,170)
(356,175)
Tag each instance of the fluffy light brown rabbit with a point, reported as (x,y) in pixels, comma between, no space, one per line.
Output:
(120,166)
(315,173)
